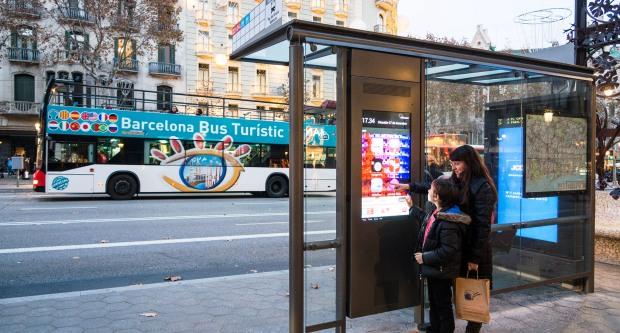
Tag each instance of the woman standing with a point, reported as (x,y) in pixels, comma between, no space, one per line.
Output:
(479,201)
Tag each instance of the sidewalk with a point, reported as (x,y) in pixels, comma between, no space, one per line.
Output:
(259,303)
(9,184)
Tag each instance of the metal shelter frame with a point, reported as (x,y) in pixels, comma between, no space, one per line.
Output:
(339,40)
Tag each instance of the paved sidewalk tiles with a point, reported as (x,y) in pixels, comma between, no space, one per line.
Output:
(257,303)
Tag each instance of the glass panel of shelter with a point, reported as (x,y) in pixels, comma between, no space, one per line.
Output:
(320,185)
(487,107)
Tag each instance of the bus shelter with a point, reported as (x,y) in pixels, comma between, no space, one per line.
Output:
(532,120)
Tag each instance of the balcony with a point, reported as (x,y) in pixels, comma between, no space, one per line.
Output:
(30,9)
(318,6)
(205,88)
(203,17)
(342,9)
(204,49)
(70,56)
(293,4)
(386,4)
(74,14)
(380,28)
(126,65)
(163,68)
(265,93)
(17,107)
(233,90)
(23,55)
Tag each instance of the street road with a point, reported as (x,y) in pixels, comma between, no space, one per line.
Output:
(51,244)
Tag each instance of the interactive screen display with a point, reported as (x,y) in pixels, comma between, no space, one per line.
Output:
(386,151)
(555,154)
(511,206)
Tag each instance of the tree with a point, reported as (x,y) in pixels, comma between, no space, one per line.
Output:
(607,133)
(103,36)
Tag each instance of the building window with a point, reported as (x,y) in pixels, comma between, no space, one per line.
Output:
(49,75)
(203,41)
(74,41)
(24,88)
(292,15)
(165,54)
(316,19)
(316,86)
(124,94)
(164,98)
(229,43)
(233,110)
(233,79)
(340,23)
(126,8)
(24,38)
(203,73)
(261,81)
(233,12)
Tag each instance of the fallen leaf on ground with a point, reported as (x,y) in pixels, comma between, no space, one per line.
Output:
(75,258)
(149,314)
(104,241)
(307,266)
(314,285)
(173,278)
(253,271)
(331,269)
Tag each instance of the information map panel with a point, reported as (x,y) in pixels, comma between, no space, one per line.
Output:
(386,151)
(555,155)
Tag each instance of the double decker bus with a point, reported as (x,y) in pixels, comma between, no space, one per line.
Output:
(123,142)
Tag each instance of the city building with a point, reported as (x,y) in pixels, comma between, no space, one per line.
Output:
(197,65)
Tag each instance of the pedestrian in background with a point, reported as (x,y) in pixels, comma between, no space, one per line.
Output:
(9,166)
(439,248)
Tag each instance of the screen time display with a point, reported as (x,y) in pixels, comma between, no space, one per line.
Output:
(386,153)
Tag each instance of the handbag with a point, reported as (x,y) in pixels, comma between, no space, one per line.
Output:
(472,298)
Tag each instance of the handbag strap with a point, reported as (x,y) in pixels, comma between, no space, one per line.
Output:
(467,275)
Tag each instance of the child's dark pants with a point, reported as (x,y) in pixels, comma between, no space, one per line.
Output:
(440,301)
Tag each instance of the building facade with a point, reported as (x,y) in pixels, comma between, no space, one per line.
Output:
(197,65)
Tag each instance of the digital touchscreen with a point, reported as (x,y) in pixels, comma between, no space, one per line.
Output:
(386,151)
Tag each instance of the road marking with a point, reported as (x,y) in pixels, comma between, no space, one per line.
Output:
(155,242)
(58,208)
(269,223)
(157,218)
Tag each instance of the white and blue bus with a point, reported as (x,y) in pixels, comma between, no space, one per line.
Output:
(98,142)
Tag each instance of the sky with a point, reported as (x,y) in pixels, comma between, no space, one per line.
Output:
(458,19)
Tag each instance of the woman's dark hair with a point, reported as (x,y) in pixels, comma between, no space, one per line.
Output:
(448,193)
(475,169)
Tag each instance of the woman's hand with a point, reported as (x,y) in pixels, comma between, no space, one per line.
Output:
(401,187)
(472,266)
(418,258)
(409,201)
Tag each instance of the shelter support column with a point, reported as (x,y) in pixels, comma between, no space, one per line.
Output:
(296,187)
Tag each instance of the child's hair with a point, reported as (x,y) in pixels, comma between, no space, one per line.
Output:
(449,194)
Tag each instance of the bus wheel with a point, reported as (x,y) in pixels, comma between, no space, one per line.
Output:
(277,187)
(122,187)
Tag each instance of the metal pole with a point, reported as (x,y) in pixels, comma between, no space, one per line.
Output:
(296,188)
(614,178)
(580,26)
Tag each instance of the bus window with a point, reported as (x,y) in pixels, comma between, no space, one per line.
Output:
(315,157)
(152,150)
(107,149)
(278,157)
(68,155)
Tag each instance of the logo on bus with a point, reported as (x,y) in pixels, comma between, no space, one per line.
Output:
(202,168)
(60,183)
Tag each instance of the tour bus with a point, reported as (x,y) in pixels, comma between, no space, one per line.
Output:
(123,142)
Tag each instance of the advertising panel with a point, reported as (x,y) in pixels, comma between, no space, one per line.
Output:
(511,206)
(555,154)
(156,125)
(386,151)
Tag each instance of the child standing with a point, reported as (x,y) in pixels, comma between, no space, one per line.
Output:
(439,249)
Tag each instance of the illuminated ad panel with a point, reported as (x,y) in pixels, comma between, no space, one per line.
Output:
(386,155)
(512,207)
